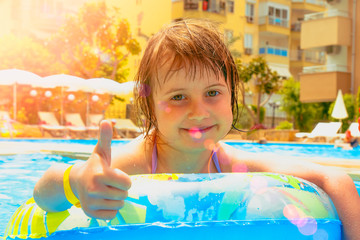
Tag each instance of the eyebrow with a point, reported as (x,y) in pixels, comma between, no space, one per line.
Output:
(182,89)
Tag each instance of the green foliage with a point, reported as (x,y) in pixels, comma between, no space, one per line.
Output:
(95,43)
(28,54)
(265,80)
(350,108)
(285,125)
(244,121)
(262,112)
(357,106)
(304,115)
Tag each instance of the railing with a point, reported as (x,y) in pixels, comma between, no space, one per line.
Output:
(325,68)
(329,13)
(273,21)
(308,56)
(191,6)
(315,2)
(274,50)
(296,27)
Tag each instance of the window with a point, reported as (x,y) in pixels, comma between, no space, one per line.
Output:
(278,16)
(248,43)
(249,12)
(215,6)
(231,6)
(191,5)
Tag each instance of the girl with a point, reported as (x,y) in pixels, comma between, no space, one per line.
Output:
(187,87)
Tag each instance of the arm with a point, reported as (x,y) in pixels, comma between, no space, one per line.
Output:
(100,188)
(336,183)
(49,190)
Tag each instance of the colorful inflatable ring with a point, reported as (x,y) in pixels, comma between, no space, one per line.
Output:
(196,206)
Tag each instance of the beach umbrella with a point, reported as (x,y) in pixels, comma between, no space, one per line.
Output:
(16,76)
(339,111)
(105,85)
(109,86)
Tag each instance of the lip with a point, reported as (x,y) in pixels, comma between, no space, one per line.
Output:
(194,130)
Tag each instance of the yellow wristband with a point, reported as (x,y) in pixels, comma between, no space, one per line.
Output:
(70,196)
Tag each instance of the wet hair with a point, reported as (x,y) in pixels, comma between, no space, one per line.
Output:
(195,45)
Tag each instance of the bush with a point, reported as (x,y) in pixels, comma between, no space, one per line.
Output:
(284,125)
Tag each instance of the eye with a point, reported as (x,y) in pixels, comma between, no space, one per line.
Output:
(212,93)
(178,97)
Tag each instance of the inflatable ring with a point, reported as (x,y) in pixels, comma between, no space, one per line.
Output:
(203,206)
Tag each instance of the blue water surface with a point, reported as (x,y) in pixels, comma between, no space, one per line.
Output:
(19,173)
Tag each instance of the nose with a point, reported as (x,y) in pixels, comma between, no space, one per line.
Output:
(198,111)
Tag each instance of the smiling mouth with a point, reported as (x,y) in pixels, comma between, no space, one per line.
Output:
(197,132)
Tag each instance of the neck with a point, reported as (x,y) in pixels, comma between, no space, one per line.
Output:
(171,160)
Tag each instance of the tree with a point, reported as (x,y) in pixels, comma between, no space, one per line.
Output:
(265,80)
(357,106)
(28,54)
(303,115)
(95,43)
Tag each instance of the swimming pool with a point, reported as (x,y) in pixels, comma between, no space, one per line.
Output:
(19,173)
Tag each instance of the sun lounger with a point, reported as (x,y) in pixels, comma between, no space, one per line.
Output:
(322,131)
(94,121)
(126,128)
(354,129)
(49,123)
(75,125)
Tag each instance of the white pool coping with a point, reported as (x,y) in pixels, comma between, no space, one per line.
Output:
(81,151)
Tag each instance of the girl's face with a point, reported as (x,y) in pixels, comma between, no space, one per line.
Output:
(192,112)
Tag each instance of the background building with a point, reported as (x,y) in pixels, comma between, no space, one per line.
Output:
(334,31)
(313,41)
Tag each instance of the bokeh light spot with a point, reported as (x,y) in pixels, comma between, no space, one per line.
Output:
(321,234)
(309,228)
(164,106)
(239,167)
(144,90)
(295,215)
(258,183)
(195,133)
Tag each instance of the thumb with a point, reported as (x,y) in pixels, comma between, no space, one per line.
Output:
(103,147)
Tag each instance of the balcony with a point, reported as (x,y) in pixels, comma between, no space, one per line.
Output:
(215,10)
(321,83)
(325,29)
(274,50)
(274,24)
(302,58)
(309,5)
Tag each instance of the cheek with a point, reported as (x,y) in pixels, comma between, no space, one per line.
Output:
(225,108)
(166,112)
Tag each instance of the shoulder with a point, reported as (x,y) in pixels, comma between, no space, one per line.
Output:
(237,160)
(133,157)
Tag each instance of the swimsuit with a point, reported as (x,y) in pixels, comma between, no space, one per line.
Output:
(154,161)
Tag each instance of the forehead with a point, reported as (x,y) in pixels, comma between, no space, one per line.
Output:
(171,74)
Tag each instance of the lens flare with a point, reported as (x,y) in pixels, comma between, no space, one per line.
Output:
(321,234)
(144,90)
(306,225)
(209,144)
(195,133)
(239,167)
(258,183)
(164,106)
(309,228)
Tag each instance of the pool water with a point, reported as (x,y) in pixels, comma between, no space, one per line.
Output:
(19,173)
(300,150)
